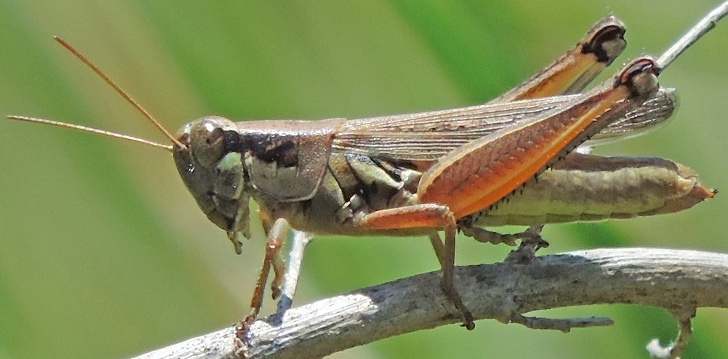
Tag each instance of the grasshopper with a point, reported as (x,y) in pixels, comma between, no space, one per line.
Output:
(509,161)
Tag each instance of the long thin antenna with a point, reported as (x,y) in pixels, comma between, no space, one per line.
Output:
(119,91)
(705,24)
(92,130)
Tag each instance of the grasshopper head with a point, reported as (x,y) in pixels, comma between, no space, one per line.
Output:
(224,164)
(211,166)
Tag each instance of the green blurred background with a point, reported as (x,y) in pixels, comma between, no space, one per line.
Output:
(103,253)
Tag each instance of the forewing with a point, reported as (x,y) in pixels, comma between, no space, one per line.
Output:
(427,136)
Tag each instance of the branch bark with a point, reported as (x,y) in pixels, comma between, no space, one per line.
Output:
(678,280)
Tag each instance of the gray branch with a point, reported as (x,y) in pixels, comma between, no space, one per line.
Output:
(677,280)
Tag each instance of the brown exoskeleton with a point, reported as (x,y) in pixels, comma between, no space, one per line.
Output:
(446,170)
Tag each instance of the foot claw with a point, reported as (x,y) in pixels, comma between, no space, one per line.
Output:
(531,242)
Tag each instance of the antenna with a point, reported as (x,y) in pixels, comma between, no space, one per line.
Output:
(91,130)
(118,90)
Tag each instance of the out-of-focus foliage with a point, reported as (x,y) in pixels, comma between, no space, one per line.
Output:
(103,253)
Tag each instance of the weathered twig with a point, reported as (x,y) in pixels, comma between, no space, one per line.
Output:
(677,280)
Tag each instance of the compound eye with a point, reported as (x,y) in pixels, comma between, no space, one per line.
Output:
(207,143)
